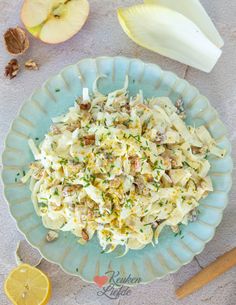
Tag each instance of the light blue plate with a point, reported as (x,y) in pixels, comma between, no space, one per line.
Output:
(53,99)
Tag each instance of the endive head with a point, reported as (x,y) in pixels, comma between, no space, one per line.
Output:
(193,10)
(170,34)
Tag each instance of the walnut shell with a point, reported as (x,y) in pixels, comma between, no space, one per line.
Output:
(16,41)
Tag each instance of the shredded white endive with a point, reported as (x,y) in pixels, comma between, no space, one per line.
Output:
(120,166)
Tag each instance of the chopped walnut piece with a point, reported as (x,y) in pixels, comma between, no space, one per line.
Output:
(69,190)
(126,108)
(197,150)
(57,208)
(175,229)
(86,106)
(73,126)
(55,130)
(12,68)
(179,105)
(89,140)
(31,65)
(180,108)
(90,214)
(16,41)
(85,235)
(193,215)
(154,224)
(135,163)
(115,182)
(160,137)
(139,182)
(173,163)
(149,178)
(51,236)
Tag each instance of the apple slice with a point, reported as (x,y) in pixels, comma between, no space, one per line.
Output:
(54,21)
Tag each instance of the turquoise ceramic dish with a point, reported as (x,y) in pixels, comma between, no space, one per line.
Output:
(53,99)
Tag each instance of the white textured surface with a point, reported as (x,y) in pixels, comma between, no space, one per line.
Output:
(102,35)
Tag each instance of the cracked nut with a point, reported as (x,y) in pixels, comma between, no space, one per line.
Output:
(16,41)
(31,65)
(51,236)
(85,235)
(12,68)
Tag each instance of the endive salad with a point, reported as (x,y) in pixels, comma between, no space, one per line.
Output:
(122,167)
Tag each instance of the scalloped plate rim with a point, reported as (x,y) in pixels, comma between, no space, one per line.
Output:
(163,71)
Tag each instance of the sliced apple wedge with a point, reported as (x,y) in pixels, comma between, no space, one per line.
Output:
(54,21)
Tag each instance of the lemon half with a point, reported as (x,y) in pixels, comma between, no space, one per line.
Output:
(27,285)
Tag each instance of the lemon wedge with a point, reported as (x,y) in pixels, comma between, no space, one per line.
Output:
(193,10)
(170,34)
(27,285)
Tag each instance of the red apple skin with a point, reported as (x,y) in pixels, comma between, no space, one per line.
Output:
(53,43)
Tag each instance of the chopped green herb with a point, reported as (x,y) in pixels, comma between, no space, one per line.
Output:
(186,163)
(56,193)
(108,238)
(137,138)
(36,139)
(128,204)
(63,161)
(179,233)
(126,123)
(156,184)
(141,230)
(76,160)
(57,90)
(23,173)
(157,166)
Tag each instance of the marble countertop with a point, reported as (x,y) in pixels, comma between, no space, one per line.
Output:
(102,35)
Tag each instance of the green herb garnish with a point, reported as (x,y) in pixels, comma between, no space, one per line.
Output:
(56,193)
